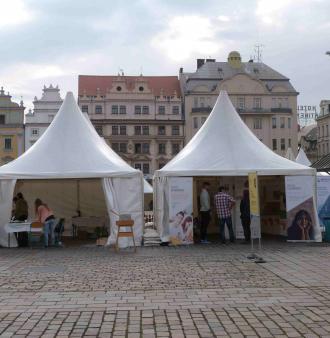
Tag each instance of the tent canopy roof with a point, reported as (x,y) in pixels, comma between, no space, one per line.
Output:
(302,158)
(69,148)
(225,146)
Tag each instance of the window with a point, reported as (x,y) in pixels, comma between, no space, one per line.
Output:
(175,110)
(162,148)
(175,130)
(195,102)
(137,110)
(273,102)
(274,144)
(161,130)
(114,110)
(282,122)
(35,132)
(161,165)
(279,102)
(257,123)
(122,130)
(241,103)
(326,130)
(286,102)
(289,122)
(195,122)
(322,131)
(50,117)
(99,130)
(145,168)
(257,103)
(175,148)
(98,109)
(273,122)
(145,110)
(282,143)
(137,148)
(8,143)
(289,142)
(138,166)
(115,147)
(161,110)
(145,148)
(84,109)
(137,130)
(202,101)
(145,130)
(203,119)
(115,130)
(122,110)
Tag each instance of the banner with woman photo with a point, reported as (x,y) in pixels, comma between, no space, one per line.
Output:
(181,210)
(302,219)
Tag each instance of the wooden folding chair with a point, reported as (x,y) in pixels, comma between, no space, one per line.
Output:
(127,232)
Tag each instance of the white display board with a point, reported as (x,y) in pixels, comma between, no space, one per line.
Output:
(302,222)
(323,198)
(181,210)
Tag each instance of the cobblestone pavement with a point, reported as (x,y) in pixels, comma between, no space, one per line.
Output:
(195,291)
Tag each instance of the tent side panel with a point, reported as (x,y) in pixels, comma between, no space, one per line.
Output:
(6,197)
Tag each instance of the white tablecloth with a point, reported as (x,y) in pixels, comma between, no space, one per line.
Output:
(12,227)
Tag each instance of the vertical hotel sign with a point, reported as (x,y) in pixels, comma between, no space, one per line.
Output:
(254,194)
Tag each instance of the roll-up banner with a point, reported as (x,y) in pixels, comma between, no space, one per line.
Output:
(181,210)
(323,199)
(301,216)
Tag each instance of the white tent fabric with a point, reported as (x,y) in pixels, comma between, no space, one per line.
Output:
(71,149)
(302,158)
(289,155)
(147,188)
(225,146)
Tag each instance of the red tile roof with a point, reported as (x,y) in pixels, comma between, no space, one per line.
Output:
(88,84)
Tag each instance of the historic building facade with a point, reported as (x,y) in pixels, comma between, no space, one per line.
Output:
(140,117)
(307,140)
(323,123)
(265,99)
(44,111)
(11,128)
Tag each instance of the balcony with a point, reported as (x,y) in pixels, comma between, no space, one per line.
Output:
(201,109)
(281,110)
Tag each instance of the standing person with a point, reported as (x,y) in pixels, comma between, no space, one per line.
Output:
(224,203)
(21,213)
(46,216)
(245,215)
(205,210)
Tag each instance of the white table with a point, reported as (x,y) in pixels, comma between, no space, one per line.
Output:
(13,227)
(88,222)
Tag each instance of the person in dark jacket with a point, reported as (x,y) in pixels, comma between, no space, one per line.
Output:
(245,215)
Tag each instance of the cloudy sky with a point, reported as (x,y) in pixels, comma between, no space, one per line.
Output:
(52,41)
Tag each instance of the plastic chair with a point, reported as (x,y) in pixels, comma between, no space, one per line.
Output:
(36,230)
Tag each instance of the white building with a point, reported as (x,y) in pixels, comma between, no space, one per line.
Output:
(45,109)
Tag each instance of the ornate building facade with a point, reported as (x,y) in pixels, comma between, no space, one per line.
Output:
(11,128)
(265,99)
(140,117)
(323,123)
(44,111)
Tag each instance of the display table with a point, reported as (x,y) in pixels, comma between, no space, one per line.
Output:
(13,227)
(90,222)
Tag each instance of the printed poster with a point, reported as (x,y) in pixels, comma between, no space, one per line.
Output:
(301,220)
(181,210)
(323,198)
(254,194)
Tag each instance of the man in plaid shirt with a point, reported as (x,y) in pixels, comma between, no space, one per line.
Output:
(224,203)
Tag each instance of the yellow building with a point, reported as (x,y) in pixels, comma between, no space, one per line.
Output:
(11,128)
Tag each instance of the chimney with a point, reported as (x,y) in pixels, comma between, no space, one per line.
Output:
(200,63)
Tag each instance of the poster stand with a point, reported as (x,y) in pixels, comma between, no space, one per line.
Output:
(255,217)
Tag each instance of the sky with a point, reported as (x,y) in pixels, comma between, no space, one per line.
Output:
(53,41)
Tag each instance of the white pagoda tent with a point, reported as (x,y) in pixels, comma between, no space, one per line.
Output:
(302,158)
(224,146)
(71,168)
